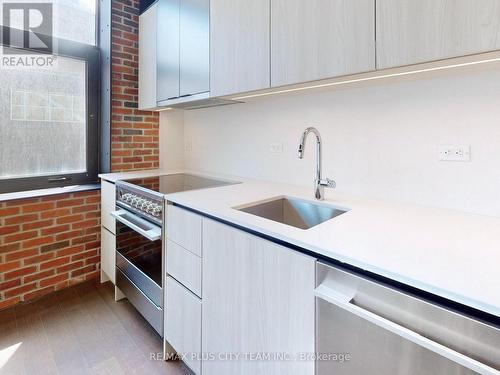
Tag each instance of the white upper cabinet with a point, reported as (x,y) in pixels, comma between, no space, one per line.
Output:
(147,58)
(194,47)
(168,50)
(173,53)
(239,46)
(415,31)
(227,47)
(317,39)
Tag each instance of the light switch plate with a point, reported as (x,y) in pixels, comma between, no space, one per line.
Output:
(455,153)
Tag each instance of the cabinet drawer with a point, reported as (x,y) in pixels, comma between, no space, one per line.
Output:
(107,221)
(184,228)
(184,266)
(107,193)
(183,323)
(108,247)
(107,206)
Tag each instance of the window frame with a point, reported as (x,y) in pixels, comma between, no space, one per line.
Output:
(90,54)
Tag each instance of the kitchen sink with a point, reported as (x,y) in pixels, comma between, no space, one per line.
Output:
(295,212)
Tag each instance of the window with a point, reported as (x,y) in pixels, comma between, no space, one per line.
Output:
(74,20)
(48,113)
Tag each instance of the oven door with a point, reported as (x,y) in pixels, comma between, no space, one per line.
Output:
(139,254)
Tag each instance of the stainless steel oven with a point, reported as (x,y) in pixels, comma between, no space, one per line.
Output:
(140,209)
(139,251)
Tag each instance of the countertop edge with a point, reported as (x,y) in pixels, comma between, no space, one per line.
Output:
(336,257)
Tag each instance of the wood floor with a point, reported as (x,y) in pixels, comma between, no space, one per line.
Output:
(80,330)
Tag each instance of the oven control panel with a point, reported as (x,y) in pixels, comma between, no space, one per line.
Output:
(144,204)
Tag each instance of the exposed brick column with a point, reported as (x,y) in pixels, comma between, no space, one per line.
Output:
(48,244)
(134,133)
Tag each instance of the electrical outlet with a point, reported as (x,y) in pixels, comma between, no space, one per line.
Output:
(276,148)
(188,146)
(454,153)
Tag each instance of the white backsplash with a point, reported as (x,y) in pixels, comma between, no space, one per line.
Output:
(380,140)
(171,140)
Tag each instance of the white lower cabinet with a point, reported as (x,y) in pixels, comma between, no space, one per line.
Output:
(108,206)
(183,323)
(108,255)
(258,305)
(108,230)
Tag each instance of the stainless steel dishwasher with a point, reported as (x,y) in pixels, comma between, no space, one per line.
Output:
(365,327)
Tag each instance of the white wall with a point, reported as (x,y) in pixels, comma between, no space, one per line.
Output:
(171,140)
(380,139)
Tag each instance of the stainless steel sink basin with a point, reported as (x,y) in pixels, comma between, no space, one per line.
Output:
(296,212)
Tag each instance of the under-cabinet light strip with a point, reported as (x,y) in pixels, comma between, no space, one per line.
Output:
(411,72)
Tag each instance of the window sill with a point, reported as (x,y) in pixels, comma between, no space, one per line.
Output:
(45,192)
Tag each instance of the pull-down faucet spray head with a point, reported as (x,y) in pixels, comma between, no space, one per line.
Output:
(303,138)
(301,150)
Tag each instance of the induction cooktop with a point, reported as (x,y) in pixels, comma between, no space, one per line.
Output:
(144,196)
(174,183)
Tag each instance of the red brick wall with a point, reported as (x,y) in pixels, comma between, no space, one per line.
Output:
(47,244)
(134,133)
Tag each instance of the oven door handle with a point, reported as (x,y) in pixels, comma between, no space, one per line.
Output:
(346,302)
(152,233)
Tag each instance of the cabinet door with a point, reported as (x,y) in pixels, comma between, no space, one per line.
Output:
(108,256)
(167,50)
(147,58)
(194,50)
(239,46)
(415,31)
(257,299)
(317,39)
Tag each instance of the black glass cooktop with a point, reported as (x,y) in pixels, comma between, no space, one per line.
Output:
(175,183)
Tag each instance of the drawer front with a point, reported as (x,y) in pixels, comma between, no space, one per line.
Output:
(107,206)
(184,228)
(183,323)
(108,258)
(184,266)
(108,193)
(108,221)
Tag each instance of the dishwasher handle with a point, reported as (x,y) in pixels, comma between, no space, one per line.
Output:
(346,303)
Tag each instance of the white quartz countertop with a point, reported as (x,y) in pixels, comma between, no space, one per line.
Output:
(448,253)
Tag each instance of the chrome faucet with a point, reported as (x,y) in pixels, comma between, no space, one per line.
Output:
(319,182)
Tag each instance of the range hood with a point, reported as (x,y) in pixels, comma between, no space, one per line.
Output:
(198,101)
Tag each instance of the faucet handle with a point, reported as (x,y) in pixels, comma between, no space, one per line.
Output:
(328,183)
